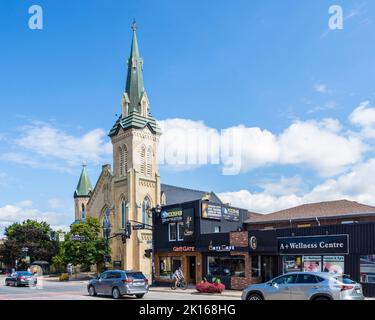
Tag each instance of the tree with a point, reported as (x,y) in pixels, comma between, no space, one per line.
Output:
(33,235)
(89,251)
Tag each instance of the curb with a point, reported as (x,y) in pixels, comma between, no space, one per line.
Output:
(196,293)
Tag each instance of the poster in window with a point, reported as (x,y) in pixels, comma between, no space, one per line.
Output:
(312,263)
(188,225)
(292,264)
(334,264)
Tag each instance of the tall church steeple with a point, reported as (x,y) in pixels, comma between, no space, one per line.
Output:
(134,82)
(135,104)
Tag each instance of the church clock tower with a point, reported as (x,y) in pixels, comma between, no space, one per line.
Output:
(136,180)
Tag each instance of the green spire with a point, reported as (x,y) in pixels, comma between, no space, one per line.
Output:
(84,186)
(134,82)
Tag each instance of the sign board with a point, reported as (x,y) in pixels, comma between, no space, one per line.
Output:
(221,248)
(184,249)
(171,215)
(138,226)
(77,238)
(117,264)
(324,244)
(61,237)
(231,214)
(211,211)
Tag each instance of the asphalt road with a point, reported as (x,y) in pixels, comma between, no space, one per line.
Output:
(76,290)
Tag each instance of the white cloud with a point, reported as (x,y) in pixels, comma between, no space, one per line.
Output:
(356,185)
(24,210)
(320,145)
(364,117)
(55,203)
(321,88)
(41,145)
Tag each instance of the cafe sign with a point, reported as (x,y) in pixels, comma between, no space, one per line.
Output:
(172,215)
(220,248)
(324,244)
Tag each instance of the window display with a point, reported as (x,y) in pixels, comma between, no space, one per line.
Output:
(292,264)
(367,269)
(334,264)
(226,266)
(168,265)
(312,263)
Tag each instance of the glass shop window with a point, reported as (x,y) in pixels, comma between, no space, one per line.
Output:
(226,266)
(168,266)
(255,266)
(367,269)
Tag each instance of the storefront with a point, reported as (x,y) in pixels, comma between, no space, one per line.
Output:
(341,249)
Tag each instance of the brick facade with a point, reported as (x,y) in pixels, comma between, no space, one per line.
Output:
(239,239)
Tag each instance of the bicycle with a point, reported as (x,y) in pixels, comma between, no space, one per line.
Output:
(180,284)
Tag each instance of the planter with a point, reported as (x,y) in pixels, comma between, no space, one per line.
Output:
(206,287)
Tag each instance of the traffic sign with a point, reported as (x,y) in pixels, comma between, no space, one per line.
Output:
(138,226)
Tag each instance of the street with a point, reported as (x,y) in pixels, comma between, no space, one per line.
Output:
(47,289)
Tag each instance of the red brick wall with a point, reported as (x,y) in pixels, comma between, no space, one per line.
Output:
(239,239)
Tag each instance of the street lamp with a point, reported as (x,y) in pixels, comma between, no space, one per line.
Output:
(154,212)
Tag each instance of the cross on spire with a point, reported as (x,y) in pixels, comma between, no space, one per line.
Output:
(134,25)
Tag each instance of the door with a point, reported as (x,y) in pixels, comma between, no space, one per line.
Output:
(306,286)
(192,270)
(268,268)
(101,283)
(280,288)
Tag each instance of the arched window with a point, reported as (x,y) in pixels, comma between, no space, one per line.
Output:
(123,214)
(163,198)
(83,212)
(146,216)
(106,220)
(149,162)
(143,160)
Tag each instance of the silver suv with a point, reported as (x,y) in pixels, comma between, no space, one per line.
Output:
(305,286)
(117,283)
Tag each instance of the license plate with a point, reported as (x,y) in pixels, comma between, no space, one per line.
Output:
(139,283)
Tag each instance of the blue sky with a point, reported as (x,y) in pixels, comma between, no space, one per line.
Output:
(301,96)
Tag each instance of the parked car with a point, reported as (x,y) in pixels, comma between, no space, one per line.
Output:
(21,278)
(117,283)
(305,286)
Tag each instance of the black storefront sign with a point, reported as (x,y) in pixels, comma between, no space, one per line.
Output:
(172,215)
(231,214)
(188,219)
(324,244)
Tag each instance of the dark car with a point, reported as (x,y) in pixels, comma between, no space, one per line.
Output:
(21,278)
(117,283)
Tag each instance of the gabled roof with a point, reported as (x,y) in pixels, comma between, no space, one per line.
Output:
(84,186)
(177,195)
(339,208)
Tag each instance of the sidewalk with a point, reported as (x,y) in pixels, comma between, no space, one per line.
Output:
(226,293)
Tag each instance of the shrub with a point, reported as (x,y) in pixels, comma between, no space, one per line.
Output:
(207,287)
(64,277)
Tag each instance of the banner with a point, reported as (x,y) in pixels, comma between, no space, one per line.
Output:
(211,211)
(171,215)
(231,214)
(188,218)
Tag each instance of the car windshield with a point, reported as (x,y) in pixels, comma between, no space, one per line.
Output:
(135,275)
(345,279)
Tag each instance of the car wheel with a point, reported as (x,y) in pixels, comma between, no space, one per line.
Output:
(254,297)
(139,296)
(322,298)
(116,293)
(92,291)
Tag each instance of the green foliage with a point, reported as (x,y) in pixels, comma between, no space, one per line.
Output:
(31,234)
(87,252)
